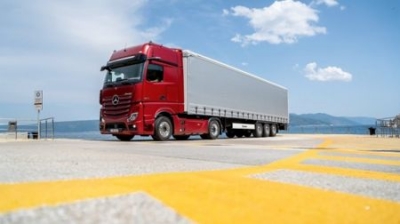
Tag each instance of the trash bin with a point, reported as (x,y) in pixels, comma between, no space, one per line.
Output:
(371,130)
(34,135)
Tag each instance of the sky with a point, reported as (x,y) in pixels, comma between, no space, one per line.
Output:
(334,56)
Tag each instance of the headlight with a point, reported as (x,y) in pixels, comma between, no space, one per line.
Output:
(133,116)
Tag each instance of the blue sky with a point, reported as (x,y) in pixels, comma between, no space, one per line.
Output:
(337,57)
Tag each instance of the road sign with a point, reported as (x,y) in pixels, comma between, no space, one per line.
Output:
(38,100)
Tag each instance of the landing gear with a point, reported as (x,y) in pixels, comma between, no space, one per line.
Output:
(230,134)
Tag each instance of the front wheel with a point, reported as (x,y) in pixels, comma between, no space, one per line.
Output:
(162,129)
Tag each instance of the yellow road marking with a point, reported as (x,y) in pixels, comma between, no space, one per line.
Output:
(224,196)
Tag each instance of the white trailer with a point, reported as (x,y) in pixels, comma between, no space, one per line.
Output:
(212,88)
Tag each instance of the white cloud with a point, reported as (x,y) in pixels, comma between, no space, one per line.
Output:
(282,22)
(59,46)
(330,73)
(328,3)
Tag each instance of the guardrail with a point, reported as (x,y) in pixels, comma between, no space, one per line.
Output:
(12,128)
(388,127)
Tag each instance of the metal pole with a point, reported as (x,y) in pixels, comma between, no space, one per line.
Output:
(16,131)
(38,123)
(52,128)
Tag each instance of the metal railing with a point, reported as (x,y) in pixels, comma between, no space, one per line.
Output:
(388,127)
(12,128)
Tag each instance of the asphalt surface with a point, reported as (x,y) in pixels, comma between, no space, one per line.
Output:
(286,179)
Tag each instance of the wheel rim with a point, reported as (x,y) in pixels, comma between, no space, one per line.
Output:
(273,129)
(266,130)
(164,129)
(214,129)
(258,130)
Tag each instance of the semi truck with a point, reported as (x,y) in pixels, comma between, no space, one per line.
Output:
(158,91)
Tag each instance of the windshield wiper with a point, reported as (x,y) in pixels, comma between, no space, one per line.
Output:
(124,81)
(108,84)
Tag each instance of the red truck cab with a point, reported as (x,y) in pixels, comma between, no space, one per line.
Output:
(143,83)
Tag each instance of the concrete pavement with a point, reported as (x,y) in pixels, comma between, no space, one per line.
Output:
(286,179)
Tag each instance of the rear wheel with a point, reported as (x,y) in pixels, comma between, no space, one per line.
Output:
(258,131)
(266,130)
(125,138)
(273,130)
(213,130)
(162,129)
(181,137)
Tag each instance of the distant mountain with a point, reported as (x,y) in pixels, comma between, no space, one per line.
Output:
(363,120)
(300,120)
(326,119)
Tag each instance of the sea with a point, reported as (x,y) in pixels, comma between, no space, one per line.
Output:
(351,130)
(88,130)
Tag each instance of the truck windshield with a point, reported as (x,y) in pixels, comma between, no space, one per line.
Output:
(124,75)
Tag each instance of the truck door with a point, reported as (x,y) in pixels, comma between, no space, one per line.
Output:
(155,90)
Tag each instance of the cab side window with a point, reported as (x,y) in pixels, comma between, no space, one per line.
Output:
(155,73)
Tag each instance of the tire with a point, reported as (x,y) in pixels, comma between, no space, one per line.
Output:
(273,131)
(181,137)
(162,129)
(266,130)
(213,130)
(125,138)
(258,131)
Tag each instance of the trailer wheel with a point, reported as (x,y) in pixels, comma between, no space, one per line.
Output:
(162,129)
(272,133)
(181,137)
(266,130)
(258,131)
(125,138)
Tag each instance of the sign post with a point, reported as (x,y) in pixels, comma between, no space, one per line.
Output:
(38,102)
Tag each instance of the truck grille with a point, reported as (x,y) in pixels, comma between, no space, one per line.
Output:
(117,108)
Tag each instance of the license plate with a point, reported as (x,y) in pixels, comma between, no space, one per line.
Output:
(114,130)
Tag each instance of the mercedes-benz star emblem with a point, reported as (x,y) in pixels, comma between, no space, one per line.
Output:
(115,100)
